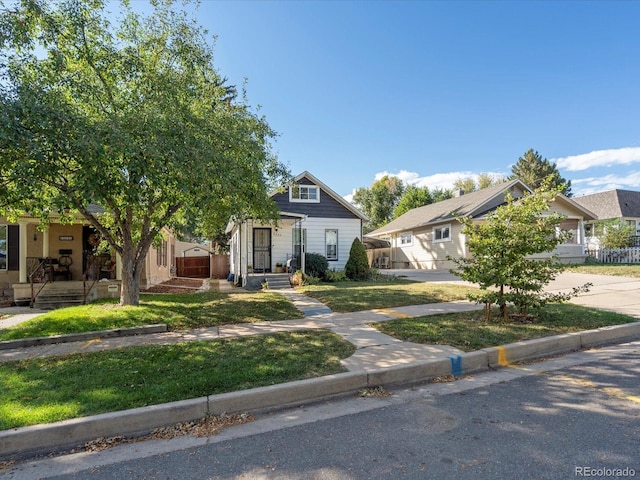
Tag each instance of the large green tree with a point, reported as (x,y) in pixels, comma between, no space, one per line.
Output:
(413,197)
(132,118)
(379,201)
(534,171)
(483,180)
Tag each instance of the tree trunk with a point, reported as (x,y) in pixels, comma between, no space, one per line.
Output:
(130,291)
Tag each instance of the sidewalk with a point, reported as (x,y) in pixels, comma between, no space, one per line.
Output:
(378,360)
(374,349)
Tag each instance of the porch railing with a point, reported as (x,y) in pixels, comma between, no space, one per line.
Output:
(39,272)
(94,267)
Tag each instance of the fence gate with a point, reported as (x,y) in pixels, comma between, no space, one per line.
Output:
(193,267)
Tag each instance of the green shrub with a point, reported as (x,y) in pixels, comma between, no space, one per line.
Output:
(316,265)
(335,276)
(357,267)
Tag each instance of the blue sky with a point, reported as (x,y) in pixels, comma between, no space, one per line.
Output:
(436,91)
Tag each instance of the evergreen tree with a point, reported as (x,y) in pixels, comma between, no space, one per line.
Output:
(357,267)
(533,171)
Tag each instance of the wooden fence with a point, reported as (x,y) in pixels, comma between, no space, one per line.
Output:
(616,255)
(213,266)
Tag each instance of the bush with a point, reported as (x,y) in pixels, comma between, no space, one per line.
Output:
(335,276)
(316,265)
(299,279)
(357,267)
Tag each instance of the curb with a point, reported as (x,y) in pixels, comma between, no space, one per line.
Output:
(47,438)
(79,337)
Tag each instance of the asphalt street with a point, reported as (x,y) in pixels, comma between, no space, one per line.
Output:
(556,419)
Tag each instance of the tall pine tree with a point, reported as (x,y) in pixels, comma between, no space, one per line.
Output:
(534,170)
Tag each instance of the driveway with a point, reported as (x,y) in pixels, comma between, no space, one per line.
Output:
(618,294)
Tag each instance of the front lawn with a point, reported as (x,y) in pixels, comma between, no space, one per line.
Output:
(178,311)
(619,270)
(46,390)
(357,296)
(469,331)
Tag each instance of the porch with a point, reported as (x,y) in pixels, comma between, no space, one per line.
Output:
(51,295)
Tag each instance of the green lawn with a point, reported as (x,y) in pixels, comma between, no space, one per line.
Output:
(620,270)
(357,296)
(50,389)
(469,331)
(178,311)
(46,390)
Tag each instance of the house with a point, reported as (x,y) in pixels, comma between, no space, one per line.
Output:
(623,205)
(423,237)
(313,219)
(58,260)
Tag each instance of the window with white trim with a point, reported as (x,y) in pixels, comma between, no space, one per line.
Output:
(3,247)
(406,239)
(331,242)
(442,234)
(161,254)
(304,193)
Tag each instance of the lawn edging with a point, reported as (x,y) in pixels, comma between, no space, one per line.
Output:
(47,438)
(80,337)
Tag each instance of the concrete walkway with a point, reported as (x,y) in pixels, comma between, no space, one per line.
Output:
(378,360)
(374,349)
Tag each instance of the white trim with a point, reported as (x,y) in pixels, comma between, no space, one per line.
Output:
(6,247)
(403,243)
(442,239)
(308,188)
(326,244)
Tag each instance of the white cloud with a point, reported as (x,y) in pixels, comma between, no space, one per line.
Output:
(439,180)
(599,158)
(586,186)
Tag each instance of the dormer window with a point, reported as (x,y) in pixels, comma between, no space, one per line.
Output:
(304,193)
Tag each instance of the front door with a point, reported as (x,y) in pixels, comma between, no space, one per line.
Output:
(262,250)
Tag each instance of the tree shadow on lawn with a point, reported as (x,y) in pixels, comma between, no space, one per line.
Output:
(177,311)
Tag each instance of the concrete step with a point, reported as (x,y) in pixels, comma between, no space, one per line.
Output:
(58,297)
(276,281)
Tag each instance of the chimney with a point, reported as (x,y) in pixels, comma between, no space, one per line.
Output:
(458,193)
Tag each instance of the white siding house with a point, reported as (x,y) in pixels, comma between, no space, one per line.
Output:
(313,219)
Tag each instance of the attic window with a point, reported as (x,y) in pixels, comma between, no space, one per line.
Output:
(304,193)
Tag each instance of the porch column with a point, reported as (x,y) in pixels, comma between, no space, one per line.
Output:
(45,243)
(22,225)
(118,267)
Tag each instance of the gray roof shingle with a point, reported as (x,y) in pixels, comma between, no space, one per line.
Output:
(612,203)
(470,204)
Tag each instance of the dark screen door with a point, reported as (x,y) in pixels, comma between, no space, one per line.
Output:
(262,250)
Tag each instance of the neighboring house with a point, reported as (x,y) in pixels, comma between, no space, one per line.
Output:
(63,255)
(313,219)
(423,237)
(623,205)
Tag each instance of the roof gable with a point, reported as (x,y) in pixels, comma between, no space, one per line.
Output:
(469,205)
(330,205)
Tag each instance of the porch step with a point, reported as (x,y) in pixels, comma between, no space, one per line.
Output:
(276,281)
(59,295)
